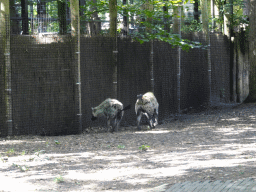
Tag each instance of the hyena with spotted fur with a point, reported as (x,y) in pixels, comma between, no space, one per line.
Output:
(147,104)
(112,109)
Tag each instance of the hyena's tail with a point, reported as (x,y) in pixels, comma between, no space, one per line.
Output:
(127,107)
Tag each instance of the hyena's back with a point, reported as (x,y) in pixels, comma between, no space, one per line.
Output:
(109,107)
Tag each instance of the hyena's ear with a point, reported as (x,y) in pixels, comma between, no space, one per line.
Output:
(139,96)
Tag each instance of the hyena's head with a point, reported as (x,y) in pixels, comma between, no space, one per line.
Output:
(94,116)
(139,96)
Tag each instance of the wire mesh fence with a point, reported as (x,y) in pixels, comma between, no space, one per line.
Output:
(44,73)
(220,57)
(3,129)
(97,71)
(133,74)
(5,75)
(44,79)
(165,78)
(42,86)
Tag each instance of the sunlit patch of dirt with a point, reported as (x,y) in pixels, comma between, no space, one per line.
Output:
(214,144)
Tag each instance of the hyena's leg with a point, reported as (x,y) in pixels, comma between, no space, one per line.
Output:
(139,115)
(108,123)
(113,126)
(155,117)
(150,120)
(119,117)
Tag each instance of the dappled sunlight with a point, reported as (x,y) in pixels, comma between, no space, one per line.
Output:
(48,38)
(129,172)
(245,126)
(7,142)
(153,132)
(200,126)
(172,164)
(109,167)
(205,149)
(252,117)
(232,130)
(8,185)
(231,119)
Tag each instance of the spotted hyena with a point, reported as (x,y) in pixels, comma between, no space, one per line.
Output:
(147,104)
(112,109)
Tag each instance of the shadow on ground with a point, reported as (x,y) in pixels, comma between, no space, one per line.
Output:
(216,144)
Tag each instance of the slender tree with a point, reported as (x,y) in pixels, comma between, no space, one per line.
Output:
(62,17)
(5,70)
(166,18)
(113,17)
(175,19)
(196,11)
(15,27)
(252,50)
(95,25)
(125,20)
(24,14)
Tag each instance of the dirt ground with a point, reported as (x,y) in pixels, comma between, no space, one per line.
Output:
(216,144)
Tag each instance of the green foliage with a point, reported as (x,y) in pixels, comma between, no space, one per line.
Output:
(2,159)
(101,7)
(194,26)
(59,179)
(23,152)
(144,147)
(39,152)
(237,18)
(120,146)
(10,151)
(148,18)
(22,168)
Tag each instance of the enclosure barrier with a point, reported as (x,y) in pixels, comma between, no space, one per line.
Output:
(44,79)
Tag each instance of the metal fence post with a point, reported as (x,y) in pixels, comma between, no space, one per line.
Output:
(75,32)
(5,31)
(207,42)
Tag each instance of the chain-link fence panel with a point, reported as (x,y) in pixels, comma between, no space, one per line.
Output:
(44,79)
(194,78)
(133,74)
(97,71)
(42,86)
(165,78)
(220,59)
(3,127)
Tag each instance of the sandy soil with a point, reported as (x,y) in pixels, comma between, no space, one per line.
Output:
(217,144)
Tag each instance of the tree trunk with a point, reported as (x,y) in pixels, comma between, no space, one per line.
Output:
(252,50)
(24,14)
(15,28)
(166,19)
(95,24)
(62,17)
(125,21)
(196,12)
(113,17)
(148,6)
(175,19)
(5,71)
